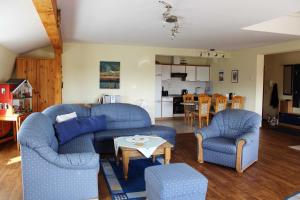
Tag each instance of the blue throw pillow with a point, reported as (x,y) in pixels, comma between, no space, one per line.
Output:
(67,130)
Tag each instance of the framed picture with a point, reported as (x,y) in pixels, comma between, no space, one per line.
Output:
(221,76)
(109,75)
(235,76)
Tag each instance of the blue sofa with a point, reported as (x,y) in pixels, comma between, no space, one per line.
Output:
(70,171)
(232,139)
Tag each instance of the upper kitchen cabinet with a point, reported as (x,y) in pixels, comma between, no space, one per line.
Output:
(191,73)
(178,69)
(202,73)
(165,72)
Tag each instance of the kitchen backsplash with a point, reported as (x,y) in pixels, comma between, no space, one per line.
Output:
(174,86)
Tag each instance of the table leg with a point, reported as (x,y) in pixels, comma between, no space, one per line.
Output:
(167,155)
(125,158)
(153,158)
(15,129)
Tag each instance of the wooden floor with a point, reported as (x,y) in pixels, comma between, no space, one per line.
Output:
(275,176)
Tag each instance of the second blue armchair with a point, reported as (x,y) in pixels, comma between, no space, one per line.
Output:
(232,139)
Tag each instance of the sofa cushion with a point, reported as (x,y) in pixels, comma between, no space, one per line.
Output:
(80,144)
(72,128)
(104,139)
(162,131)
(65,117)
(122,116)
(220,144)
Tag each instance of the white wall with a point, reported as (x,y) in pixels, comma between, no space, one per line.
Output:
(7,61)
(137,80)
(250,63)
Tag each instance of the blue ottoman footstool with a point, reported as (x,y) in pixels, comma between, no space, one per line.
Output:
(174,182)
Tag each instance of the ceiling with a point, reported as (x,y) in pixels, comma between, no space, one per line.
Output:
(21,29)
(288,24)
(204,24)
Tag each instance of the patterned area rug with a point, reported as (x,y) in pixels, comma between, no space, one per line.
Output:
(297,147)
(295,196)
(134,187)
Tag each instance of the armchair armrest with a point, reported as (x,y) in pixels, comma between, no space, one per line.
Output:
(247,137)
(207,132)
(79,161)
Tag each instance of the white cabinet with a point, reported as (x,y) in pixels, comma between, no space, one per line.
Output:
(158,70)
(191,73)
(167,107)
(178,69)
(165,72)
(202,73)
(157,109)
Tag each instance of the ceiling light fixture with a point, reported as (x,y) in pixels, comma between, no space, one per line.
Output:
(171,19)
(212,53)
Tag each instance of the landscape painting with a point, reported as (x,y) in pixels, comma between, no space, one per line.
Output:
(109,75)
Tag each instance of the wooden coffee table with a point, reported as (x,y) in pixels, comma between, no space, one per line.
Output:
(127,153)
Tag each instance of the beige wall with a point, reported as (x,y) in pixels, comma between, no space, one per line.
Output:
(137,84)
(274,65)
(81,71)
(45,52)
(7,60)
(250,63)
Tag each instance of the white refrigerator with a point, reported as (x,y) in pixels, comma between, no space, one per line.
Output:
(158,89)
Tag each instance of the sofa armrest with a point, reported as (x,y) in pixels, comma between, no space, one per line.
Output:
(247,137)
(79,161)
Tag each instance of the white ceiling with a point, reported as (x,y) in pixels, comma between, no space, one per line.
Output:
(21,29)
(205,24)
(289,24)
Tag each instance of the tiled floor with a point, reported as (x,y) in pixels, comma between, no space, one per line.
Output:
(178,124)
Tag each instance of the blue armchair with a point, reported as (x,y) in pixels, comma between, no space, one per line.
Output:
(232,139)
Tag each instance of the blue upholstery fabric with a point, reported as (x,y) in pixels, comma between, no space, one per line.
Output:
(70,171)
(219,158)
(120,115)
(227,128)
(104,139)
(220,144)
(67,130)
(63,109)
(175,181)
(80,144)
(42,180)
(46,173)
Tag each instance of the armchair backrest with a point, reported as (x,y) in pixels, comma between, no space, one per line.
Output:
(234,122)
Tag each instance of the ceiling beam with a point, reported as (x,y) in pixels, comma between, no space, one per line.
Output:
(50,17)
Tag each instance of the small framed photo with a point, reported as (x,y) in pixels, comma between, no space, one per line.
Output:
(235,76)
(221,76)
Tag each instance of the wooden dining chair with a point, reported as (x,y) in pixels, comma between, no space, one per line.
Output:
(188,109)
(237,102)
(221,103)
(215,95)
(204,103)
(202,95)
